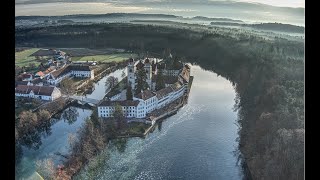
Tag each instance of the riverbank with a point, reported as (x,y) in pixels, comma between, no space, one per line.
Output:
(87,86)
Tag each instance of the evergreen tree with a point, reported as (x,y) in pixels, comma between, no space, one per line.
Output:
(119,116)
(141,81)
(160,82)
(176,64)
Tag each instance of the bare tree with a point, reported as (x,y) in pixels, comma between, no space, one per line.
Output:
(111,82)
(27,121)
(67,86)
(43,115)
(123,74)
(45,168)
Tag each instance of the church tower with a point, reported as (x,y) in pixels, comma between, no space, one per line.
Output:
(131,73)
(148,70)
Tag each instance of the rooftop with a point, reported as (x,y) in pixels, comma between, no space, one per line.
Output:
(121,103)
(68,68)
(176,86)
(24,76)
(185,73)
(39,73)
(37,80)
(163,92)
(146,94)
(37,90)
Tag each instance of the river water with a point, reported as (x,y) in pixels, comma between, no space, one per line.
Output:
(196,143)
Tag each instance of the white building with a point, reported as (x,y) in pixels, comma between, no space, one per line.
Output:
(130,108)
(81,71)
(149,99)
(49,93)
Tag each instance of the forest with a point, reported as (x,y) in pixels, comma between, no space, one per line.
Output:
(268,77)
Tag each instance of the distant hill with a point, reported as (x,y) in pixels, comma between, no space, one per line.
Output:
(266,26)
(215,19)
(279,27)
(108,15)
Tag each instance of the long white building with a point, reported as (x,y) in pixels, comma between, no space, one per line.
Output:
(143,103)
(130,108)
(48,93)
(82,71)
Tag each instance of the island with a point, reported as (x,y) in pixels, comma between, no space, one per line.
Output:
(154,88)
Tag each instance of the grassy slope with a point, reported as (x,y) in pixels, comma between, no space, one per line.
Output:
(23,58)
(105,58)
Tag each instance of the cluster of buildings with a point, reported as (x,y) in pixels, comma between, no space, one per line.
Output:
(148,100)
(42,85)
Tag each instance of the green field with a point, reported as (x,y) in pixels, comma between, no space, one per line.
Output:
(23,58)
(106,58)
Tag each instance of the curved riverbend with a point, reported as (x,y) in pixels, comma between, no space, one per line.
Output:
(196,143)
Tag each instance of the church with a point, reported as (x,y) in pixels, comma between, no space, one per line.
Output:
(150,67)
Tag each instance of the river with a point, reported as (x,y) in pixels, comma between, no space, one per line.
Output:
(56,141)
(196,143)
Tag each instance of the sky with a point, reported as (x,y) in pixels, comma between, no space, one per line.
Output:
(250,11)
(281,3)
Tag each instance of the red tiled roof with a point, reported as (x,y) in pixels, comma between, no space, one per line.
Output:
(40,73)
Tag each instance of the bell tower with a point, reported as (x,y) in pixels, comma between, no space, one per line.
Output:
(131,74)
(148,70)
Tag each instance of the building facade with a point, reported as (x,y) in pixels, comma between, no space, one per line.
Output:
(81,71)
(129,108)
(48,93)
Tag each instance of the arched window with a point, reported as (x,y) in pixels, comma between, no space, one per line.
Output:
(130,70)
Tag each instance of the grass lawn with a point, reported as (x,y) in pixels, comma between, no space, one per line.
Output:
(137,128)
(23,58)
(106,58)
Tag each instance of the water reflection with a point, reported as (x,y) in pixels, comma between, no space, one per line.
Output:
(160,125)
(48,141)
(120,144)
(70,115)
(32,139)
